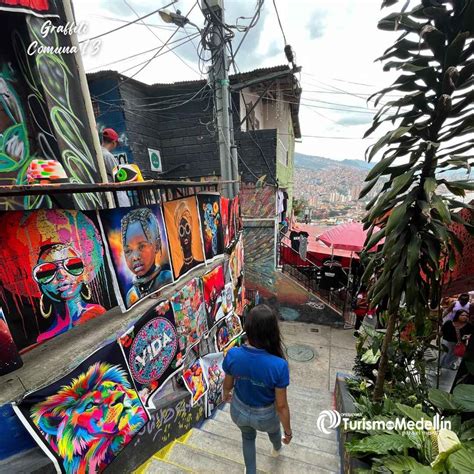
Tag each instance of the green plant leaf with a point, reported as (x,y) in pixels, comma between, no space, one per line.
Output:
(401,464)
(380,444)
(369,357)
(442,400)
(448,443)
(414,414)
(464,396)
(461,462)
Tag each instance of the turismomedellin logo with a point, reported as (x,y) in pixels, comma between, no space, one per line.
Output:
(328,420)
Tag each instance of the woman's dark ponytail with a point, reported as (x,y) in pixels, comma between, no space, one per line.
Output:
(263,332)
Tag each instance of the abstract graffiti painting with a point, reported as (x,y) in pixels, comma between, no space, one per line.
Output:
(211,224)
(224,205)
(212,366)
(150,348)
(53,275)
(195,381)
(139,250)
(36,7)
(184,234)
(213,289)
(83,420)
(190,314)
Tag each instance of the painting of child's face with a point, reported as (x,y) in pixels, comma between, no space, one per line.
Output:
(139,252)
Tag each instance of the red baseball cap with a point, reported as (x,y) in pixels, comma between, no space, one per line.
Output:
(110,134)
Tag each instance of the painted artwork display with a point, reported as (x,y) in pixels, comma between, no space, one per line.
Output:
(236,261)
(150,348)
(211,224)
(10,359)
(225,220)
(184,234)
(232,224)
(214,373)
(190,314)
(138,247)
(36,7)
(213,288)
(195,381)
(227,330)
(83,420)
(228,298)
(53,274)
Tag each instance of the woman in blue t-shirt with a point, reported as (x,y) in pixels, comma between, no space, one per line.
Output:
(259,375)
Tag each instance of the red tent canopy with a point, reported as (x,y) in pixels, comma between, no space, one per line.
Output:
(350,236)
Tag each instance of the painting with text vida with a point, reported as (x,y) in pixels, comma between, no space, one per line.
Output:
(151,348)
(36,7)
(83,420)
(53,275)
(211,224)
(139,249)
(184,234)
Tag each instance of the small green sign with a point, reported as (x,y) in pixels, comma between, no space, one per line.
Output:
(155,160)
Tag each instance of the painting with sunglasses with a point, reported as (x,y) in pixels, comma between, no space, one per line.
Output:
(150,348)
(53,274)
(211,224)
(184,234)
(83,420)
(138,247)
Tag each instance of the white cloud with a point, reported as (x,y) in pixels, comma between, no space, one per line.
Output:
(336,42)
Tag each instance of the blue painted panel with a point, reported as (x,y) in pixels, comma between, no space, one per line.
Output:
(14,438)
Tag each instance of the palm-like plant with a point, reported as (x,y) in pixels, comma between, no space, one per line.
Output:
(433,133)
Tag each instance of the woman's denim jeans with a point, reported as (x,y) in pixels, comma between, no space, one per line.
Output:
(250,420)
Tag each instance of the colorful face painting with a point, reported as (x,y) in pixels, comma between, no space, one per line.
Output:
(212,366)
(184,234)
(53,275)
(195,381)
(227,330)
(150,348)
(139,249)
(225,220)
(211,224)
(213,285)
(190,314)
(83,420)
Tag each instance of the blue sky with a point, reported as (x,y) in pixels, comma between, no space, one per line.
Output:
(335,41)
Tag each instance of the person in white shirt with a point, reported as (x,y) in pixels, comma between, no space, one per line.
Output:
(453,308)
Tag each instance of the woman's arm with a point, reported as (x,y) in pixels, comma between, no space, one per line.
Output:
(228,386)
(283,410)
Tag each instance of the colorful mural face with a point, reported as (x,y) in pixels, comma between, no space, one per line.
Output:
(213,286)
(127,174)
(184,233)
(190,314)
(150,348)
(85,419)
(53,275)
(139,249)
(211,224)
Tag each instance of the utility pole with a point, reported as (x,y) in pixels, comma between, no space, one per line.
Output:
(219,77)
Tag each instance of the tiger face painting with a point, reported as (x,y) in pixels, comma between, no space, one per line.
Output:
(89,421)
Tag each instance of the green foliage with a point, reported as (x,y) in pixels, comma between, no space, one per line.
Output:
(435,57)
(461,400)
(380,444)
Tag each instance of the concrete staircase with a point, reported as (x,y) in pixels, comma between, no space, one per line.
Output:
(216,446)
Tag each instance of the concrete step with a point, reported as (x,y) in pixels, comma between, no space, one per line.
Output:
(302,419)
(215,444)
(157,466)
(303,448)
(308,393)
(302,428)
(197,460)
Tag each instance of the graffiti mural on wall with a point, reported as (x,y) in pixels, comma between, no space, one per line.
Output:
(85,419)
(59,129)
(260,258)
(36,7)
(52,276)
(258,201)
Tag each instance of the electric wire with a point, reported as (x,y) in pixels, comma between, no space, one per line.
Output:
(128,23)
(279,22)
